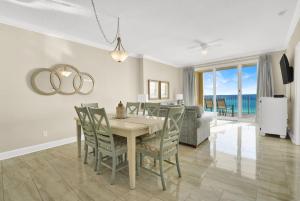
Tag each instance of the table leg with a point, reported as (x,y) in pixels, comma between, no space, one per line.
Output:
(78,130)
(131,151)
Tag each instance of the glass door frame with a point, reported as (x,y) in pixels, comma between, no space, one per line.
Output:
(239,65)
(226,67)
(245,65)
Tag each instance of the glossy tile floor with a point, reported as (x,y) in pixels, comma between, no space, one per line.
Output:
(235,164)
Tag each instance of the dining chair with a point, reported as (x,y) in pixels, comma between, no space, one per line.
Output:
(132,108)
(95,105)
(151,109)
(165,145)
(109,145)
(88,131)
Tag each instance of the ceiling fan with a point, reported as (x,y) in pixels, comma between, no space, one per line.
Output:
(204,46)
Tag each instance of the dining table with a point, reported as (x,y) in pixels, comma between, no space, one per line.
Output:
(130,127)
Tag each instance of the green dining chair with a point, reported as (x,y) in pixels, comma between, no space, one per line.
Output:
(88,132)
(151,109)
(165,145)
(109,145)
(94,105)
(132,108)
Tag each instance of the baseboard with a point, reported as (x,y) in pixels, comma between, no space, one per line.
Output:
(35,148)
(290,133)
(294,141)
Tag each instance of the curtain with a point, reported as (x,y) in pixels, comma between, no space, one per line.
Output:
(265,86)
(265,77)
(189,86)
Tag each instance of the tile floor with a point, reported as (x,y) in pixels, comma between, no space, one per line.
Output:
(235,164)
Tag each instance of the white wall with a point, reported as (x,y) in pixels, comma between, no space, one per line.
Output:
(279,87)
(290,52)
(162,72)
(25,114)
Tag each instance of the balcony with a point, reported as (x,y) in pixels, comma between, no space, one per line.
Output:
(227,105)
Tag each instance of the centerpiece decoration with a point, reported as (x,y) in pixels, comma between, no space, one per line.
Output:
(120,111)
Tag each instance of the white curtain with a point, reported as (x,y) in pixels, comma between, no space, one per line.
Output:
(189,86)
(265,87)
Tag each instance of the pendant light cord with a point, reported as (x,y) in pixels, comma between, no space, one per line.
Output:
(101,28)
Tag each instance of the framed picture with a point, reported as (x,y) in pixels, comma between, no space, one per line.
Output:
(164,90)
(153,89)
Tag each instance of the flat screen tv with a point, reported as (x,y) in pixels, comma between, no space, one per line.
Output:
(287,71)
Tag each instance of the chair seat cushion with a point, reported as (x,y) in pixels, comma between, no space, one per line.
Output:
(120,144)
(151,145)
(148,136)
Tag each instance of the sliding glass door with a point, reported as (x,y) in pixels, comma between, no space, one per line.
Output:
(230,91)
(248,92)
(227,92)
(208,91)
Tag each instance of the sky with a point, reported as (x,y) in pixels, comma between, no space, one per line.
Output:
(227,81)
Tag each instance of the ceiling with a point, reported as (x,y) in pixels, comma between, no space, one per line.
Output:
(163,30)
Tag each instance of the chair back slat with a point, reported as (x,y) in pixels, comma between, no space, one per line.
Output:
(86,124)
(151,109)
(132,108)
(94,105)
(172,125)
(102,128)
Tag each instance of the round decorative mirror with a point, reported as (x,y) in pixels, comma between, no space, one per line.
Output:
(63,79)
(67,74)
(86,81)
(40,81)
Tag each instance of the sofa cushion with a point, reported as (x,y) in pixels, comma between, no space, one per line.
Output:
(199,110)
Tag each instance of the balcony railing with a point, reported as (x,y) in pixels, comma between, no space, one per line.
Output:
(231,101)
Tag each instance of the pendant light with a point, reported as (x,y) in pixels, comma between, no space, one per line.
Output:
(119,54)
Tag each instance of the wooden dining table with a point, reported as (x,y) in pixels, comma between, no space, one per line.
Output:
(130,127)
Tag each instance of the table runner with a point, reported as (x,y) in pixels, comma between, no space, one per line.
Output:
(153,123)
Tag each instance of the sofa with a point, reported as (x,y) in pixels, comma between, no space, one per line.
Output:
(195,126)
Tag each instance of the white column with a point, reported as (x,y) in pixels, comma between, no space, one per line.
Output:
(295,135)
(215,89)
(240,92)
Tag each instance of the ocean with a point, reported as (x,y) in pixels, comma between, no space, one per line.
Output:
(248,102)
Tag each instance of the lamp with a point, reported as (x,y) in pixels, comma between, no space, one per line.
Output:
(179,96)
(142,98)
(119,54)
